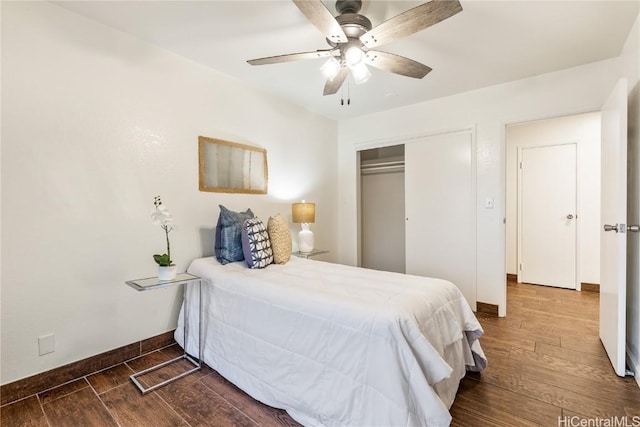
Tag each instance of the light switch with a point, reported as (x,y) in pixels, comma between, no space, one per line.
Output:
(488,203)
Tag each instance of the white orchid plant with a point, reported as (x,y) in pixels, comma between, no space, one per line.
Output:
(160,216)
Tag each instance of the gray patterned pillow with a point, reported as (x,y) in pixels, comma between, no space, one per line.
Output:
(228,244)
(255,244)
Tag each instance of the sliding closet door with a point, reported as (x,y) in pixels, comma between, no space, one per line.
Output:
(440,210)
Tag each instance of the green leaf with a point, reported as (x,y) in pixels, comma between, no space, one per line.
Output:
(162,260)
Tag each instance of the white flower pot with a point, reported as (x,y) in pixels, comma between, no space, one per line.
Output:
(167,273)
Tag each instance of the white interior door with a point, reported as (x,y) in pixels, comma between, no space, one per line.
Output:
(613,240)
(547,217)
(440,210)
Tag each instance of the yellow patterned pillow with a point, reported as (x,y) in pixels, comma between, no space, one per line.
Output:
(280,237)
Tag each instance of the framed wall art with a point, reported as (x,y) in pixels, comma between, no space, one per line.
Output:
(231,167)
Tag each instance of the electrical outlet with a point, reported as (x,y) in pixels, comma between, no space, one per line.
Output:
(46,344)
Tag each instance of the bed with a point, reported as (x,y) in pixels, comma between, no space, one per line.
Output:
(336,345)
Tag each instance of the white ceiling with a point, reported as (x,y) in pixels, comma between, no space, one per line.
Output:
(489,42)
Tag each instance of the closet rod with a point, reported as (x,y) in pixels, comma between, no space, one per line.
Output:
(382,169)
(395,163)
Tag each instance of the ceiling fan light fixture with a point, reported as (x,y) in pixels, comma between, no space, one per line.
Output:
(331,68)
(360,73)
(354,56)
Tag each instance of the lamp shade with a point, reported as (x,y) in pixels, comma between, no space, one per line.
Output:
(304,212)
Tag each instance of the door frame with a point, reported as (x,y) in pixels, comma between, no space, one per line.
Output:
(504,124)
(578,282)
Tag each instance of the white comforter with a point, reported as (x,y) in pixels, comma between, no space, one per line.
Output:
(335,345)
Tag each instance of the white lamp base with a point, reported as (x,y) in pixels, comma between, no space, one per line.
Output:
(305,239)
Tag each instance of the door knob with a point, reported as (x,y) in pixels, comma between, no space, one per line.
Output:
(608,227)
(569,216)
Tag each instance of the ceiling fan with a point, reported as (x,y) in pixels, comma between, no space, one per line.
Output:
(352,40)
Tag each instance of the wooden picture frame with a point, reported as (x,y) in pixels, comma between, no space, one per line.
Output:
(231,167)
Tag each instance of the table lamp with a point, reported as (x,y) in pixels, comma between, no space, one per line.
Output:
(305,214)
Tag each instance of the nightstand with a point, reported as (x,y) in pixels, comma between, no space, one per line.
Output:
(152,283)
(308,255)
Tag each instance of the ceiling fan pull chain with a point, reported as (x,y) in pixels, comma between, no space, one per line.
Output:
(348,93)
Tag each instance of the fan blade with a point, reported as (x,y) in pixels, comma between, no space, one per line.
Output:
(397,64)
(411,21)
(294,57)
(332,85)
(320,16)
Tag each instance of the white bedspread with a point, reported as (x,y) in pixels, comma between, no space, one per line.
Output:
(336,345)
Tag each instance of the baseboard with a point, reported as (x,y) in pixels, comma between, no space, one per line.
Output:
(484,308)
(590,287)
(634,364)
(43,381)
(586,287)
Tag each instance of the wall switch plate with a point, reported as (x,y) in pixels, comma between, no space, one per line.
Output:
(488,203)
(46,344)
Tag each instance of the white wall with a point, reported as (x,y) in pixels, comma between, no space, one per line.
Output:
(571,91)
(584,130)
(95,124)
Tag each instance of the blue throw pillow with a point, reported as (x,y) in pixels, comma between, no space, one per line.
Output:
(228,235)
(256,244)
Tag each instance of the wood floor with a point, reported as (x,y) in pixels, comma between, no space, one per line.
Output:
(545,362)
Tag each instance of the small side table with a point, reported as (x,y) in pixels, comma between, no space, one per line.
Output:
(152,283)
(308,255)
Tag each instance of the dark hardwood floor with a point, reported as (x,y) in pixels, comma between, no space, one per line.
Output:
(545,363)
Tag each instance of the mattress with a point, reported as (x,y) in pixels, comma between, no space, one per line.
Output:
(335,345)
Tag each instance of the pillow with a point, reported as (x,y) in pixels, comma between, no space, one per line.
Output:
(228,244)
(255,244)
(280,238)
